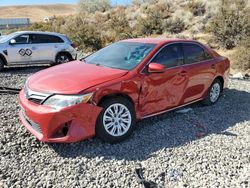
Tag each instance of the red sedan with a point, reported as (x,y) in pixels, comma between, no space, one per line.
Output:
(106,92)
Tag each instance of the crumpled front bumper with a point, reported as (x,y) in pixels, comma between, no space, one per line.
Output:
(47,123)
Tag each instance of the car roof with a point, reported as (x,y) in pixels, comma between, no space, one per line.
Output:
(39,32)
(157,40)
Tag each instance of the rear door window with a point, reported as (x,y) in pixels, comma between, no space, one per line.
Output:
(194,53)
(170,56)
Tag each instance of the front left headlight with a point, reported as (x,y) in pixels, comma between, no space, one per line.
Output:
(62,101)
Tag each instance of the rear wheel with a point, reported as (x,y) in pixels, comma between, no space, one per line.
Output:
(63,58)
(1,64)
(116,121)
(213,93)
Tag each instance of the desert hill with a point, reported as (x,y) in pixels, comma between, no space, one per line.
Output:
(37,12)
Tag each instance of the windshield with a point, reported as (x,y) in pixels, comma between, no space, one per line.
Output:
(120,55)
(5,38)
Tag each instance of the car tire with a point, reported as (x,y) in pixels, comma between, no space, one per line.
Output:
(63,58)
(1,64)
(214,93)
(116,121)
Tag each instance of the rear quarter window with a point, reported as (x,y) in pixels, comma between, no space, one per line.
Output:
(55,39)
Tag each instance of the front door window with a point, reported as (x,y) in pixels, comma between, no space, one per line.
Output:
(170,56)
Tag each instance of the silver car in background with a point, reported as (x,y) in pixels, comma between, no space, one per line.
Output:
(32,47)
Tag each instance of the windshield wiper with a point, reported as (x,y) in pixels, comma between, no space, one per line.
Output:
(97,64)
(84,60)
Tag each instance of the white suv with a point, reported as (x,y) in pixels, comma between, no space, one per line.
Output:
(32,47)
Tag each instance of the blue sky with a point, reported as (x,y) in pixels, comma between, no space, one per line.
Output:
(33,2)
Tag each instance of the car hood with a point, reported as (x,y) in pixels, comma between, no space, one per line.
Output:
(72,78)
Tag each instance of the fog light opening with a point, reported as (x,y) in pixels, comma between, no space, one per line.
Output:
(65,130)
(62,130)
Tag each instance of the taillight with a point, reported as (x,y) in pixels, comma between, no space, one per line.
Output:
(73,45)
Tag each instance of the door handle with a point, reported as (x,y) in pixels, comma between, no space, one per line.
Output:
(33,48)
(213,66)
(182,73)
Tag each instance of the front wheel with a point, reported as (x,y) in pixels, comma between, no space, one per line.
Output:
(213,93)
(1,64)
(116,121)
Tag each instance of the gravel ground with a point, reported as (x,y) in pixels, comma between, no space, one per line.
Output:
(167,147)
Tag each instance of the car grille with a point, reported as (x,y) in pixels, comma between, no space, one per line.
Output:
(35,97)
(34,125)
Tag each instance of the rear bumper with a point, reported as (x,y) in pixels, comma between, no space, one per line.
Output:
(47,124)
(226,78)
(74,54)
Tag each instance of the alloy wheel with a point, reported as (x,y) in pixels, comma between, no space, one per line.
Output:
(117,119)
(215,92)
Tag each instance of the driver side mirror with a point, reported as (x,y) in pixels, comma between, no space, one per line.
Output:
(12,41)
(156,68)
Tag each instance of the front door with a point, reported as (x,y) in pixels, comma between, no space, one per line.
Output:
(20,50)
(162,91)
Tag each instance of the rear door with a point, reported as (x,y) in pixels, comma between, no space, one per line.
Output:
(45,46)
(161,91)
(200,67)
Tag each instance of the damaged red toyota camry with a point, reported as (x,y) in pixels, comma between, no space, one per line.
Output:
(105,93)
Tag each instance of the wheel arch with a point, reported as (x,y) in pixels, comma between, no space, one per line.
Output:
(221,79)
(218,77)
(63,51)
(3,58)
(100,130)
(109,96)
